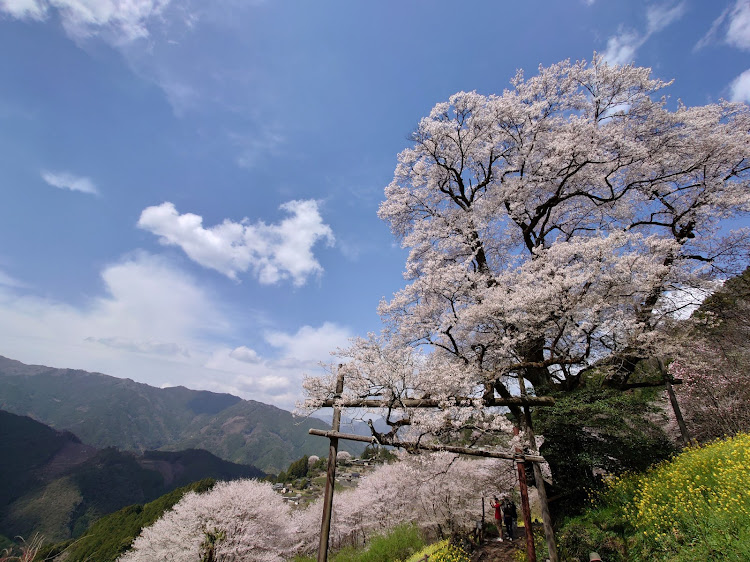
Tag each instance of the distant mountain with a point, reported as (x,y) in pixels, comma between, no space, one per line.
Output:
(106,411)
(53,484)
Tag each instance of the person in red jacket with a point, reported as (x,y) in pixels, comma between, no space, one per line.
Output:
(495,503)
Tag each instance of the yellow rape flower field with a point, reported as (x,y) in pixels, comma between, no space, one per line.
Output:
(694,507)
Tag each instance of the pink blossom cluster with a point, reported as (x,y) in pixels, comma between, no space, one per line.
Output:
(549,228)
(247,521)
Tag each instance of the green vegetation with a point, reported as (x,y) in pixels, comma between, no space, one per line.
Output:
(112,535)
(377,452)
(298,469)
(397,544)
(28,445)
(598,430)
(695,507)
(442,551)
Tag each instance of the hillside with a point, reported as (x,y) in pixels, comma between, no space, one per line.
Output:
(54,485)
(34,453)
(111,535)
(105,411)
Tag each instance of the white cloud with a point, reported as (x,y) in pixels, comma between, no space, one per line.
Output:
(264,141)
(244,354)
(142,346)
(710,35)
(659,17)
(310,344)
(740,87)
(150,312)
(154,324)
(274,252)
(279,378)
(9,281)
(738,32)
(121,21)
(24,9)
(733,23)
(65,180)
(622,47)
(146,300)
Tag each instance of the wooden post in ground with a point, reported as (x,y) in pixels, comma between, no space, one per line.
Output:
(483,516)
(549,532)
(325,526)
(530,550)
(675,405)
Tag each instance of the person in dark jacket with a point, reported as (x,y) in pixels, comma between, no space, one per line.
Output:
(509,516)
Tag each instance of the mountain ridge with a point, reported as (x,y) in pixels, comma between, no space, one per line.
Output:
(109,411)
(54,485)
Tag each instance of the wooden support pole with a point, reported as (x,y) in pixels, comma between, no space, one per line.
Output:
(675,405)
(530,549)
(483,516)
(549,532)
(431,403)
(325,527)
(428,446)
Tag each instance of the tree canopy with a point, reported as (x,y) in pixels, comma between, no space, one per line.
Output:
(557,225)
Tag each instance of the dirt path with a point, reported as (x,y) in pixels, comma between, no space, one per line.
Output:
(495,551)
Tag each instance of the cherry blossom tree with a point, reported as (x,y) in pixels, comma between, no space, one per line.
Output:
(246,520)
(713,361)
(553,227)
(239,520)
(439,492)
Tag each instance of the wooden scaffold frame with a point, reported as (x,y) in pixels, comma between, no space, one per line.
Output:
(519,457)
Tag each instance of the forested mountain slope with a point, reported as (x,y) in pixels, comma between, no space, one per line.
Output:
(52,484)
(105,411)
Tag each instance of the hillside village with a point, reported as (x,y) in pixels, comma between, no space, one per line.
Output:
(303,490)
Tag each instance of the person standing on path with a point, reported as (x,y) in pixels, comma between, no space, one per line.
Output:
(509,516)
(495,503)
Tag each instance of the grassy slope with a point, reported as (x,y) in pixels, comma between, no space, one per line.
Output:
(694,507)
(60,500)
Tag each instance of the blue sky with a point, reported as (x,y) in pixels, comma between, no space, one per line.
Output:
(189,189)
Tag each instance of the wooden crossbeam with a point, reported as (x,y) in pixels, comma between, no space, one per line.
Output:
(428,446)
(432,403)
